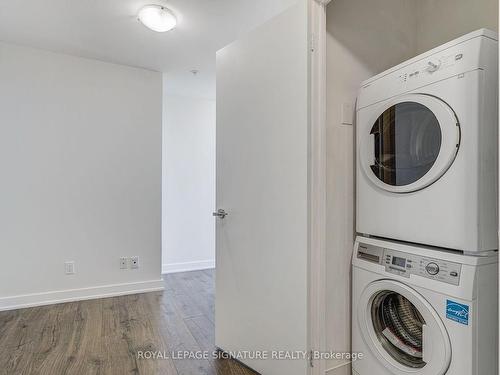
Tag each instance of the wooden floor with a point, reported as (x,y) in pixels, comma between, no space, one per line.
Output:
(107,336)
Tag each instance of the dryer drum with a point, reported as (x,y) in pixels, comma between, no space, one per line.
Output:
(398,326)
(407,141)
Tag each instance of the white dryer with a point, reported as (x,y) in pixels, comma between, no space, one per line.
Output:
(427,136)
(423,311)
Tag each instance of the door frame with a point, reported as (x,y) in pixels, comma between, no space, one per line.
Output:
(317,182)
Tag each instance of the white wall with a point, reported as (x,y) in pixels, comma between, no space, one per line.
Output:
(363,39)
(188,183)
(80,162)
(440,21)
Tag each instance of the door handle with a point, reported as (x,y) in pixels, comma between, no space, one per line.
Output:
(221,214)
(426,344)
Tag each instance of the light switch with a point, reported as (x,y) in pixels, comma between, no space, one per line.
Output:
(347,113)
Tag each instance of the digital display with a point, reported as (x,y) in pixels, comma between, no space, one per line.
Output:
(400,262)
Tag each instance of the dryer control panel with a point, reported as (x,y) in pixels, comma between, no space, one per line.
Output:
(405,264)
(450,61)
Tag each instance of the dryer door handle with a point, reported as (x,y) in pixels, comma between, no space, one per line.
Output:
(372,146)
(426,344)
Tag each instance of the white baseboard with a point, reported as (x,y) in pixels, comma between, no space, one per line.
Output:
(188,266)
(70,295)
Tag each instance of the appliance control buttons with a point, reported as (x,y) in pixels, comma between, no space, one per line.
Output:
(438,270)
(432,269)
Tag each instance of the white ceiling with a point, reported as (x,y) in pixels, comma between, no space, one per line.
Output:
(108,30)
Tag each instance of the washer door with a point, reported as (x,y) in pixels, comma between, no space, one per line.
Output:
(402,330)
(410,143)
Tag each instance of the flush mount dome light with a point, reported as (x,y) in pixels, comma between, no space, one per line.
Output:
(157,18)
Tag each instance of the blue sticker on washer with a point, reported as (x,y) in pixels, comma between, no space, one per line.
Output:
(457,312)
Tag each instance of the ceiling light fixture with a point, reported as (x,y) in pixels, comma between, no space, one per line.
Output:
(157,18)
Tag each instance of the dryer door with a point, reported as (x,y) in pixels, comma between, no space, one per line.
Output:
(410,143)
(402,330)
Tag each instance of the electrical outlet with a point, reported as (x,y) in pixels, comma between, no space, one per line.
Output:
(123,263)
(69,268)
(134,262)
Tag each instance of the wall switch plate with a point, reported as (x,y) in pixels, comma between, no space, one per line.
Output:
(134,262)
(123,263)
(347,113)
(69,268)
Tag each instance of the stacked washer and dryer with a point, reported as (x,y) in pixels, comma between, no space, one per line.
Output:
(425,264)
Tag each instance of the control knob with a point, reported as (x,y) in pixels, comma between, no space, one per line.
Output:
(433,66)
(432,269)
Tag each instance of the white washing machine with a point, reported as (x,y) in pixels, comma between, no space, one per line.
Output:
(427,145)
(422,311)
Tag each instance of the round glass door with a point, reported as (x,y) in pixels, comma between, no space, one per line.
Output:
(399,327)
(407,141)
(410,143)
(402,330)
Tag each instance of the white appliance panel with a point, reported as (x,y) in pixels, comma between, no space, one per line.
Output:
(454,206)
(467,310)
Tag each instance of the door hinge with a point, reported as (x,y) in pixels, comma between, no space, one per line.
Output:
(312,43)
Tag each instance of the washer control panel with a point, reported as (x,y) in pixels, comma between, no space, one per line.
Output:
(404,264)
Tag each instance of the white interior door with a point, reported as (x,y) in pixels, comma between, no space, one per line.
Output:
(262,184)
